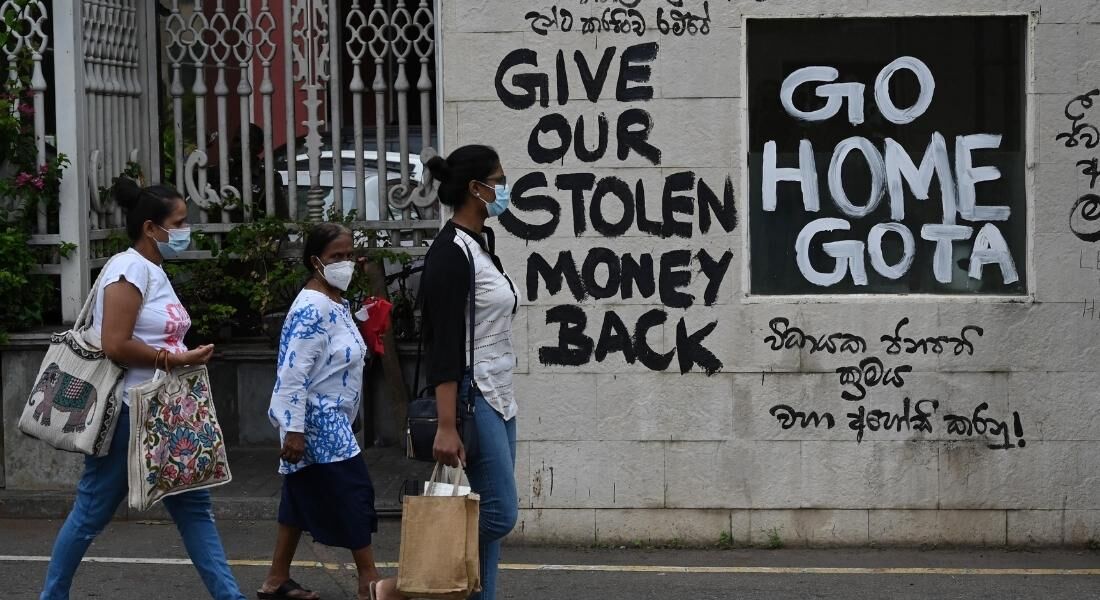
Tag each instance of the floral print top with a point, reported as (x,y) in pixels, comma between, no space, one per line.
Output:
(319,379)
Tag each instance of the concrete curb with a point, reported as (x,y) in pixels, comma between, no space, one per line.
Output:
(56,505)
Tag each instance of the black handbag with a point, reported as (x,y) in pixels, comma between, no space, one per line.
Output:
(423,417)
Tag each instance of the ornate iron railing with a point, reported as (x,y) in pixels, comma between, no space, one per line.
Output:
(241,104)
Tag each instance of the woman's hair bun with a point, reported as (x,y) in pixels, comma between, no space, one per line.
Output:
(126,192)
(439,168)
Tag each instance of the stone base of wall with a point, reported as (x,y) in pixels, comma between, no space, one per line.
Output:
(808,527)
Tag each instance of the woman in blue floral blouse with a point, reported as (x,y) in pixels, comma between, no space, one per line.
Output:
(326,488)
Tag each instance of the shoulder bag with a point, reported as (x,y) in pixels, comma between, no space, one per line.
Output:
(74,404)
(423,418)
(176,443)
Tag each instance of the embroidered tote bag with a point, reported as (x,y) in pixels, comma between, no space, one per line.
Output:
(74,404)
(176,444)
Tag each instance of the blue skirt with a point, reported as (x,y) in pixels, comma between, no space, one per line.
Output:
(334,502)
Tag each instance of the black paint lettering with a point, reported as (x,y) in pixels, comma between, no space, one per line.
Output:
(556,124)
(619,188)
(632,69)
(535,85)
(579,147)
(597,257)
(614,337)
(691,350)
(522,202)
(675,275)
(593,84)
(644,224)
(564,270)
(646,355)
(562,79)
(574,347)
(638,273)
(726,212)
(715,272)
(578,184)
(636,139)
(674,203)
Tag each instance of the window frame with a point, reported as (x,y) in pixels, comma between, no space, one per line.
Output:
(1031,153)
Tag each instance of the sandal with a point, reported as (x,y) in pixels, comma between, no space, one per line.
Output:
(284,592)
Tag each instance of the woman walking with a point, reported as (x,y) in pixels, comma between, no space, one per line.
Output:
(141,324)
(327,490)
(473,184)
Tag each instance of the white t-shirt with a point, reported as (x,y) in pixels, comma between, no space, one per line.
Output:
(162,321)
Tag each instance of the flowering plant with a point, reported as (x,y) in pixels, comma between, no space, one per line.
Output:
(24,186)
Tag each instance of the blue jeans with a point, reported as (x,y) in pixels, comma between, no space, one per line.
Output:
(492,475)
(102,488)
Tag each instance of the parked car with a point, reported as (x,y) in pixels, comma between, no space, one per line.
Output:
(375,210)
(347,142)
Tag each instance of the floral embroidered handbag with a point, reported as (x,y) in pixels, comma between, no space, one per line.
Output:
(176,443)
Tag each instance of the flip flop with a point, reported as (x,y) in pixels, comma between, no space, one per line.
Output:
(283,592)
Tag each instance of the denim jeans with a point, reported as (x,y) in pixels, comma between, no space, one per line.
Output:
(492,475)
(102,488)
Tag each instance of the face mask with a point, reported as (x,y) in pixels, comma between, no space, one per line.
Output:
(339,275)
(500,204)
(178,241)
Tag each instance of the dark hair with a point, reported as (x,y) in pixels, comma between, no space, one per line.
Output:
(454,174)
(318,238)
(154,203)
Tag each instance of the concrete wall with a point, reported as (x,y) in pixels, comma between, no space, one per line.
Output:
(614,450)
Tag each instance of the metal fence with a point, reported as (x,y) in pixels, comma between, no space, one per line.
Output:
(250,107)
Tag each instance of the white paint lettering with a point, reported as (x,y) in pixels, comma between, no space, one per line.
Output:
(805,174)
(969,176)
(936,162)
(878,258)
(945,236)
(885,102)
(878,176)
(990,247)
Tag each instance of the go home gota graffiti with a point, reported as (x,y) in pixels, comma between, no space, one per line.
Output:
(881,181)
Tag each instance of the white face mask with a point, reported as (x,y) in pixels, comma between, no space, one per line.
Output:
(339,275)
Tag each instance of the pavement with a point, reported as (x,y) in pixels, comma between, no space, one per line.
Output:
(145,559)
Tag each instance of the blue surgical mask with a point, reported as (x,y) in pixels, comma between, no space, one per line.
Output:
(500,204)
(179,240)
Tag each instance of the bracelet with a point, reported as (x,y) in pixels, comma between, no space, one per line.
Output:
(156,359)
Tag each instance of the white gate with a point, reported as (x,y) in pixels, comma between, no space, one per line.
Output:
(249,107)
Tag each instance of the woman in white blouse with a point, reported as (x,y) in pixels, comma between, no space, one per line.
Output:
(327,490)
(473,184)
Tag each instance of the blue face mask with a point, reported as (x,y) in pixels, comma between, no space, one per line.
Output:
(500,204)
(179,240)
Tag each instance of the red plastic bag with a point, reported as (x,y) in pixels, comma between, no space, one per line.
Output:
(376,323)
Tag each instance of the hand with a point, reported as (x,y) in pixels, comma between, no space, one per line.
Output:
(448,447)
(197,356)
(294,447)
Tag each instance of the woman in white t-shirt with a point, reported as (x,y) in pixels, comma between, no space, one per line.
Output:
(142,324)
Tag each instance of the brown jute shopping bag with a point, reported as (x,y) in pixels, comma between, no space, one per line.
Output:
(439,549)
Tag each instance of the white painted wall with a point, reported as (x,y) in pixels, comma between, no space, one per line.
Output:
(611,451)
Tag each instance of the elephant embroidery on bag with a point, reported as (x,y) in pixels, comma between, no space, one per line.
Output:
(65,393)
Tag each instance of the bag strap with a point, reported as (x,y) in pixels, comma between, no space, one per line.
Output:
(438,477)
(89,303)
(469,335)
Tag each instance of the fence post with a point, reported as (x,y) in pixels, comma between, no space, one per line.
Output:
(71,120)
